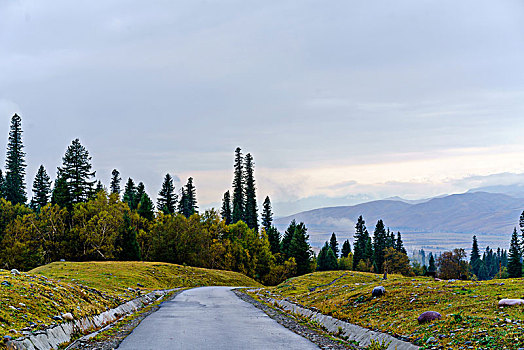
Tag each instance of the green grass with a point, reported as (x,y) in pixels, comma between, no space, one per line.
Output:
(85,289)
(469,309)
(116,277)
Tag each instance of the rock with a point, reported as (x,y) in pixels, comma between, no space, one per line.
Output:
(15,272)
(62,260)
(378,291)
(21,304)
(140,285)
(511,302)
(431,340)
(429,316)
(68,316)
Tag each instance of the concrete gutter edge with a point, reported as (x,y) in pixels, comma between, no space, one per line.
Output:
(53,337)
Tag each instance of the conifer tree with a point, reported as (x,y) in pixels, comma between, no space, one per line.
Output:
(129,249)
(379,245)
(514,257)
(76,171)
(238,188)
(115,181)
(267,214)
(300,249)
(183,207)
(362,246)
(60,194)
(399,245)
(130,194)
(99,188)
(334,244)
(2,184)
(521,225)
(146,208)
(432,268)
(191,205)
(326,260)
(346,249)
(167,198)
(15,164)
(475,261)
(251,210)
(273,237)
(41,189)
(225,212)
(286,240)
(140,190)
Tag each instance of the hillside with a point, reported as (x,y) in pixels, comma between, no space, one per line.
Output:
(33,299)
(469,309)
(451,220)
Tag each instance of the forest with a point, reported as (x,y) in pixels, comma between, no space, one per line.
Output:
(77,218)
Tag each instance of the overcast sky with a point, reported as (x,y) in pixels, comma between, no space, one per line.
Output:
(338,101)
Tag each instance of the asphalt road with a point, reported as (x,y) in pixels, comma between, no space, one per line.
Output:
(211,318)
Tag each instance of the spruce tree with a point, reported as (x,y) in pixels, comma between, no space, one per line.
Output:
(15,164)
(99,188)
(61,195)
(225,212)
(251,210)
(346,249)
(115,181)
(183,203)
(140,190)
(130,194)
(379,246)
(300,249)
(191,198)
(146,208)
(273,237)
(432,268)
(238,188)
(41,189)
(521,225)
(334,244)
(167,198)
(286,240)
(514,257)
(129,249)
(475,261)
(267,214)
(76,171)
(399,245)
(362,246)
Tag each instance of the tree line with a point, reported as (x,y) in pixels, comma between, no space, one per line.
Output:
(76,218)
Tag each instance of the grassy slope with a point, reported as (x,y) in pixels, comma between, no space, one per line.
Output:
(90,288)
(469,309)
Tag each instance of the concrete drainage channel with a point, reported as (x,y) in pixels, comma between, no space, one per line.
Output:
(62,333)
(335,326)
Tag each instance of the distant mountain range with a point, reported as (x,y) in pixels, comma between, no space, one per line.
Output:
(435,224)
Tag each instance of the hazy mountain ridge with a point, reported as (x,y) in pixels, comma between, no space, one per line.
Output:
(479,213)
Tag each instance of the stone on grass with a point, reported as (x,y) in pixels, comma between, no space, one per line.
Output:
(68,316)
(431,340)
(15,272)
(378,291)
(511,302)
(429,316)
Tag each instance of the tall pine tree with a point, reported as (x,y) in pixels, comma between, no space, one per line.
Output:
(514,257)
(130,194)
(346,249)
(238,188)
(273,237)
(362,245)
(251,215)
(2,184)
(146,208)
(167,199)
(379,245)
(399,245)
(126,243)
(267,214)
(115,181)
(300,249)
(475,261)
(15,164)
(225,212)
(333,244)
(191,198)
(76,171)
(41,189)
(286,240)
(60,194)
